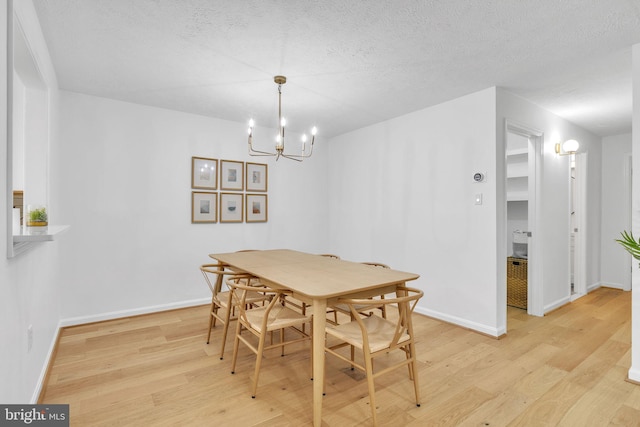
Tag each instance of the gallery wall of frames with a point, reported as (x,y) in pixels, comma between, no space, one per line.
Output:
(228,191)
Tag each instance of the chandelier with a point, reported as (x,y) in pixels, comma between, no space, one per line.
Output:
(307,149)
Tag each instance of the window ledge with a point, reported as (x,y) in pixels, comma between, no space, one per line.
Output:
(39,234)
(30,236)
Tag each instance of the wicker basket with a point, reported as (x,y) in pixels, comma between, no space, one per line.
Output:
(517,282)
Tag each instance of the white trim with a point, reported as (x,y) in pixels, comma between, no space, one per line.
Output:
(580,242)
(534,271)
(43,372)
(73,321)
(628,174)
(557,304)
(101,317)
(634,374)
(609,285)
(592,287)
(479,327)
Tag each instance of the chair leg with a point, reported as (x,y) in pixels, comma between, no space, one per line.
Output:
(224,333)
(353,349)
(282,342)
(353,356)
(311,347)
(414,371)
(372,391)
(236,344)
(303,309)
(211,324)
(258,364)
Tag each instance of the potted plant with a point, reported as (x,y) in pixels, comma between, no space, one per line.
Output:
(630,244)
(37,216)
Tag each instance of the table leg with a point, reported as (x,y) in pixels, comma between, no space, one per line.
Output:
(319,322)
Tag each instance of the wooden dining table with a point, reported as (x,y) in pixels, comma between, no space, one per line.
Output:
(318,281)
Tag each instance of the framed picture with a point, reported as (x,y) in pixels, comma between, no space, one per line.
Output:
(256,207)
(231,175)
(256,177)
(204,207)
(231,207)
(204,173)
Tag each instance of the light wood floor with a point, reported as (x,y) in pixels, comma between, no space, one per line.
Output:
(566,369)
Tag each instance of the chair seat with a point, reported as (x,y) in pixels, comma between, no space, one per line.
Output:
(359,307)
(222,298)
(280,317)
(379,330)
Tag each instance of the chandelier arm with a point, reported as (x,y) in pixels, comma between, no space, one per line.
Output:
(279,148)
(261,153)
(290,157)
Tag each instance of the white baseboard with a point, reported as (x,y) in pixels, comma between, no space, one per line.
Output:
(613,285)
(72,321)
(487,330)
(45,366)
(634,374)
(98,318)
(592,287)
(557,304)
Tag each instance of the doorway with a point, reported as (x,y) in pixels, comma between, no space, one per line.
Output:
(523,151)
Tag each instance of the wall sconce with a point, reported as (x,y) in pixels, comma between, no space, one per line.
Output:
(567,148)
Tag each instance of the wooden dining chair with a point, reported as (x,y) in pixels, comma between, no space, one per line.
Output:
(376,336)
(223,306)
(264,320)
(364,310)
(300,305)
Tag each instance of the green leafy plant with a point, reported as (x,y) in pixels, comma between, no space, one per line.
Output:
(38,215)
(630,244)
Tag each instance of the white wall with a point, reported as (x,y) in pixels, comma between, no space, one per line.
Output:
(616,210)
(554,235)
(125,183)
(29,283)
(402,193)
(634,371)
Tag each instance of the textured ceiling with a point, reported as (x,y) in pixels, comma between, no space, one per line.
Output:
(348,63)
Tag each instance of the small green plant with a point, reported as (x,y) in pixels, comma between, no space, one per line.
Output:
(38,215)
(630,244)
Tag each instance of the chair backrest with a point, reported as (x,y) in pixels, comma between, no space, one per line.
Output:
(406,303)
(211,272)
(241,285)
(214,274)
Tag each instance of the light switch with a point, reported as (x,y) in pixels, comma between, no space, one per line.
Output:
(478,198)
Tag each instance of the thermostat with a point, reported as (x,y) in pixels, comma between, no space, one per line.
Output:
(478,177)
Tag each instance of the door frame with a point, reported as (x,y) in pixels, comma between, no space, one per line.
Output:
(628,180)
(535,162)
(580,243)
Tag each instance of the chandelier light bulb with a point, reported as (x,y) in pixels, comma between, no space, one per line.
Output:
(314,131)
(304,137)
(251,123)
(283,122)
